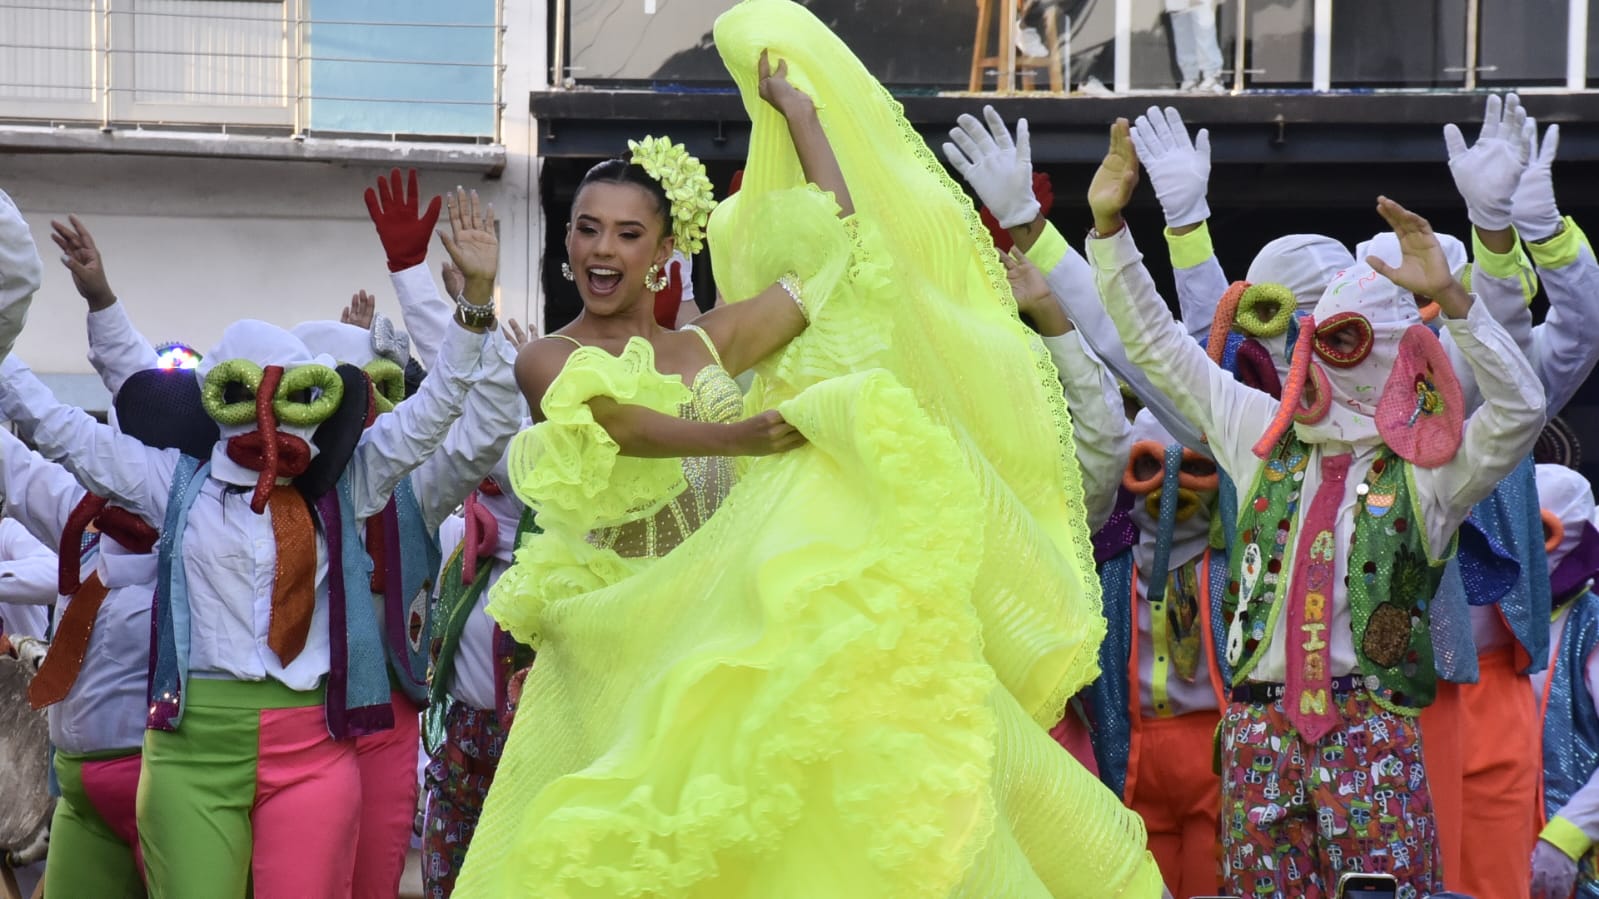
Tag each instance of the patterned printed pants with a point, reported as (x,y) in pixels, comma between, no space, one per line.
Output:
(458,779)
(1295,817)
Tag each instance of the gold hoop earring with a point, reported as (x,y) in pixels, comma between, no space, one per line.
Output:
(655,279)
(566,271)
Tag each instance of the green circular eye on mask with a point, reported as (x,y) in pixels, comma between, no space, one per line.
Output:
(233,373)
(388,383)
(1265,310)
(326,389)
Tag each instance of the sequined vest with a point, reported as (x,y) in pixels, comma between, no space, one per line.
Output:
(1570,724)
(410,561)
(1390,583)
(1112,697)
(456,601)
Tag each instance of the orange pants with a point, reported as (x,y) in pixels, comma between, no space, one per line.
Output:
(1501,740)
(1442,748)
(1171,785)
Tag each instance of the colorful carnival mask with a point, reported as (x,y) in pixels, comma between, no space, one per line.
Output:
(381,353)
(1284,282)
(1385,246)
(1173,490)
(1571,538)
(268,395)
(1365,370)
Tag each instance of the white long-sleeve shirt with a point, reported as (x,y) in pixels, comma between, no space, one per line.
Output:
(1100,430)
(21,272)
(474,442)
(1072,280)
(1234,416)
(105,710)
(474,659)
(490,417)
(230,555)
(27,581)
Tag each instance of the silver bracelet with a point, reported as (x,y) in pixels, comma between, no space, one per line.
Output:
(791,286)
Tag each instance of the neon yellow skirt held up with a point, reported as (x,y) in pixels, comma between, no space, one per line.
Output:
(839,685)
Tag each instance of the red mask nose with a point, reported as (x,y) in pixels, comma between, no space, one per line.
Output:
(272,454)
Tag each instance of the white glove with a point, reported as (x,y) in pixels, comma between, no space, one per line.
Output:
(1487,174)
(1000,171)
(1179,168)
(1532,207)
(1554,874)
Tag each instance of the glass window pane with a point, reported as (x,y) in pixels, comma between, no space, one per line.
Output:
(1522,42)
(1180,42)
(1381,43)
(904,43)
(1281,44)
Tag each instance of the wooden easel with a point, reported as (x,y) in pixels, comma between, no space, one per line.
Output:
(1005,61)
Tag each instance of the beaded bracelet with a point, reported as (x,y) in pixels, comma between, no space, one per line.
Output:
(791,286)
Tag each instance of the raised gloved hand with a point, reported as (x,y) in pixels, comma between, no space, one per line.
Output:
(1554,874)
(999,170)
(1487,174)
(404,230)
(1179,168)
(1532,207)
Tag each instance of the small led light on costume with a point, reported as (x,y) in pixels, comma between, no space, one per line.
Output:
(175,355)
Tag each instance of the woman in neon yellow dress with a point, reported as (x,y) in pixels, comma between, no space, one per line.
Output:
(839,684)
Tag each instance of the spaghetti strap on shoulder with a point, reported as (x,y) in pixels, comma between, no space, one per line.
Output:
(574,341)
(709,344)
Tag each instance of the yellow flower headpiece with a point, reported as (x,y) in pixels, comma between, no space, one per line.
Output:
(686,185)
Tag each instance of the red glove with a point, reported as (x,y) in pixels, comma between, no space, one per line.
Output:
(404,233)
(668,300)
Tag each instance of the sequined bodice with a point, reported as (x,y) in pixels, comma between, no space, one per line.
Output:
(715,398)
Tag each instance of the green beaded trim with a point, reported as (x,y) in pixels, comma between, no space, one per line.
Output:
(388,383)
(217,380)
(1265,294)
(303,377)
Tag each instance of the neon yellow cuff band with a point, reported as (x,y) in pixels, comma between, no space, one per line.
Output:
(1561,250)
(1191,249)
(1513,265)
(1497,265)
(1049,250)
(1567,837)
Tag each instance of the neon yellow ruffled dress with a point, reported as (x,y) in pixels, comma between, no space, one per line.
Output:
(839,684)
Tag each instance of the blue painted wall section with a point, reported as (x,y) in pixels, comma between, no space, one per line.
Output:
(396,67)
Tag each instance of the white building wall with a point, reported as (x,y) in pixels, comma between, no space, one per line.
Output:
(193,244)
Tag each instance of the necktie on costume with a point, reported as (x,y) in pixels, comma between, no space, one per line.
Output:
(71,642)
(1308,698)
(294,587)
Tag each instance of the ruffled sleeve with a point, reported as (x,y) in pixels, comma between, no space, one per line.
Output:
(569,470)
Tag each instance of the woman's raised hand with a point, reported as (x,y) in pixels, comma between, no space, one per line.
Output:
(473,245)
(776,90)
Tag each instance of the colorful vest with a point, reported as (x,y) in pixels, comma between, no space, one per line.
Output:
(1570,724)
(357,688)
(1389,589)
(410,562)
(452,608)
(1113,698)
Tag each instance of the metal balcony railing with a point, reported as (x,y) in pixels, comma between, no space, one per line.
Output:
(291,67)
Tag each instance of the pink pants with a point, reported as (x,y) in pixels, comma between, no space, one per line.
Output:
(388,801)
(249,788)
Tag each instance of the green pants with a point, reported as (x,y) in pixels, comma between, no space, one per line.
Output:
(249,795)
(92,836)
